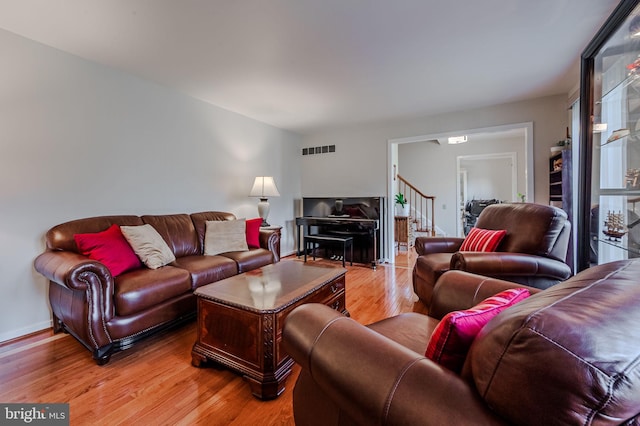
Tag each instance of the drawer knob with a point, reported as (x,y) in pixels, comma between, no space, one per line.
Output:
(336,305)
(333,288)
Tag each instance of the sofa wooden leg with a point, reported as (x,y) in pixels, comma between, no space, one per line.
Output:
(57,325)
(103,355)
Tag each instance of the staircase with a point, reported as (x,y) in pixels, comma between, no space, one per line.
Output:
(422,207)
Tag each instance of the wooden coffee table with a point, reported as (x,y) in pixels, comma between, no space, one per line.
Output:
(240,319)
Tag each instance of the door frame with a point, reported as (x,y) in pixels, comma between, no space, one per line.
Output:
(392,159)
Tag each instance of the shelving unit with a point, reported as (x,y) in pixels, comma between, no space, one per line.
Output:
(610,154)
(560,193)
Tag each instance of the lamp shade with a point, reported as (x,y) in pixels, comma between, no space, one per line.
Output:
(264,187)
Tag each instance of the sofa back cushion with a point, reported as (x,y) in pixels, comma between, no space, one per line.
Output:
(567,355)
(61,237)
(200,223)
(531,228)
(178,232)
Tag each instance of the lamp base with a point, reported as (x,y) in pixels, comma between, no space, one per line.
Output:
(263,211)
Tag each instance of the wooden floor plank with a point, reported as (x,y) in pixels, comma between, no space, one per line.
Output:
(154,383)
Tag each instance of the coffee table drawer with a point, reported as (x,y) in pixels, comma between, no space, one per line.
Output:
(328,292)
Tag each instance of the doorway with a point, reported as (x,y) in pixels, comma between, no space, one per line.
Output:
(485,177)
(445,184)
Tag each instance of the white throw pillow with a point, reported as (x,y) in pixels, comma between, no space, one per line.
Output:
(222,236)
(150,247)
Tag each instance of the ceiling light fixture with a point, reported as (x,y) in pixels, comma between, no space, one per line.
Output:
(599,127)
(454,140)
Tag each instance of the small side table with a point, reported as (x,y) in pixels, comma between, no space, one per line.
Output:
(402,231)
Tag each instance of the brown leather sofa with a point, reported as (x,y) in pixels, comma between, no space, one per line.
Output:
(108,314)
(533,252)
(569,354)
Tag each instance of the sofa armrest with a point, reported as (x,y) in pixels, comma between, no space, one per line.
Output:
(459,290)
(91,279)
(497,264)
(427,245)
(270,240)
(67,269)
(372,379)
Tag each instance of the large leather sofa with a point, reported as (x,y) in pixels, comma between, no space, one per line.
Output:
(108,314)
(533,252)
(569,354)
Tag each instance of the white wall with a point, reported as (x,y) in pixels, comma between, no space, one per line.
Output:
(489,179)
(359,166)
(431,168)
(78,139)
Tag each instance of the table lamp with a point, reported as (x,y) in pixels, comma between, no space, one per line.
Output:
(263,187)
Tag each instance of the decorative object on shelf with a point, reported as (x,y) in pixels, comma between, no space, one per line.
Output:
(338,205)
(614,226)
(632,179)
(264,187)
(633,66)
(617,134)
(563,144)
(402,208)
(557,164)
(555,149)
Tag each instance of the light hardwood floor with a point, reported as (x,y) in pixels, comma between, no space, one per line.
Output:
(154,382)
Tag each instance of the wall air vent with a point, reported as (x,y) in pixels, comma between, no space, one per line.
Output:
(312,150)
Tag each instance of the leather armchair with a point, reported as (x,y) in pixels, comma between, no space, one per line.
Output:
(566,355)
(533,252)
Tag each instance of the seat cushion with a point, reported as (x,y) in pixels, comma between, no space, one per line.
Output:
(207,269)
(249,260)
(138,290)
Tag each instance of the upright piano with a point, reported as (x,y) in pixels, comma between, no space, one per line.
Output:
(355,228)
(359,218)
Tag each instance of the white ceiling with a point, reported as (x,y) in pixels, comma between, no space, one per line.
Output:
(308,64)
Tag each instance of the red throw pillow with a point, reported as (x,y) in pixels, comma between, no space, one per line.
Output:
(253,232)
(452,337)
(110,248)
(482,240)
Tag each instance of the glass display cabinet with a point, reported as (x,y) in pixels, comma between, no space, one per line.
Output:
(609,200)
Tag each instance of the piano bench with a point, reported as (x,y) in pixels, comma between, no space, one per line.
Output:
(329,239)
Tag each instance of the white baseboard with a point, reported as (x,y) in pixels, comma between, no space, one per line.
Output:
(13,334)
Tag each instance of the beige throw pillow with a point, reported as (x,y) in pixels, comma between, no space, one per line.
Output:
(222,236)
(150,247)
